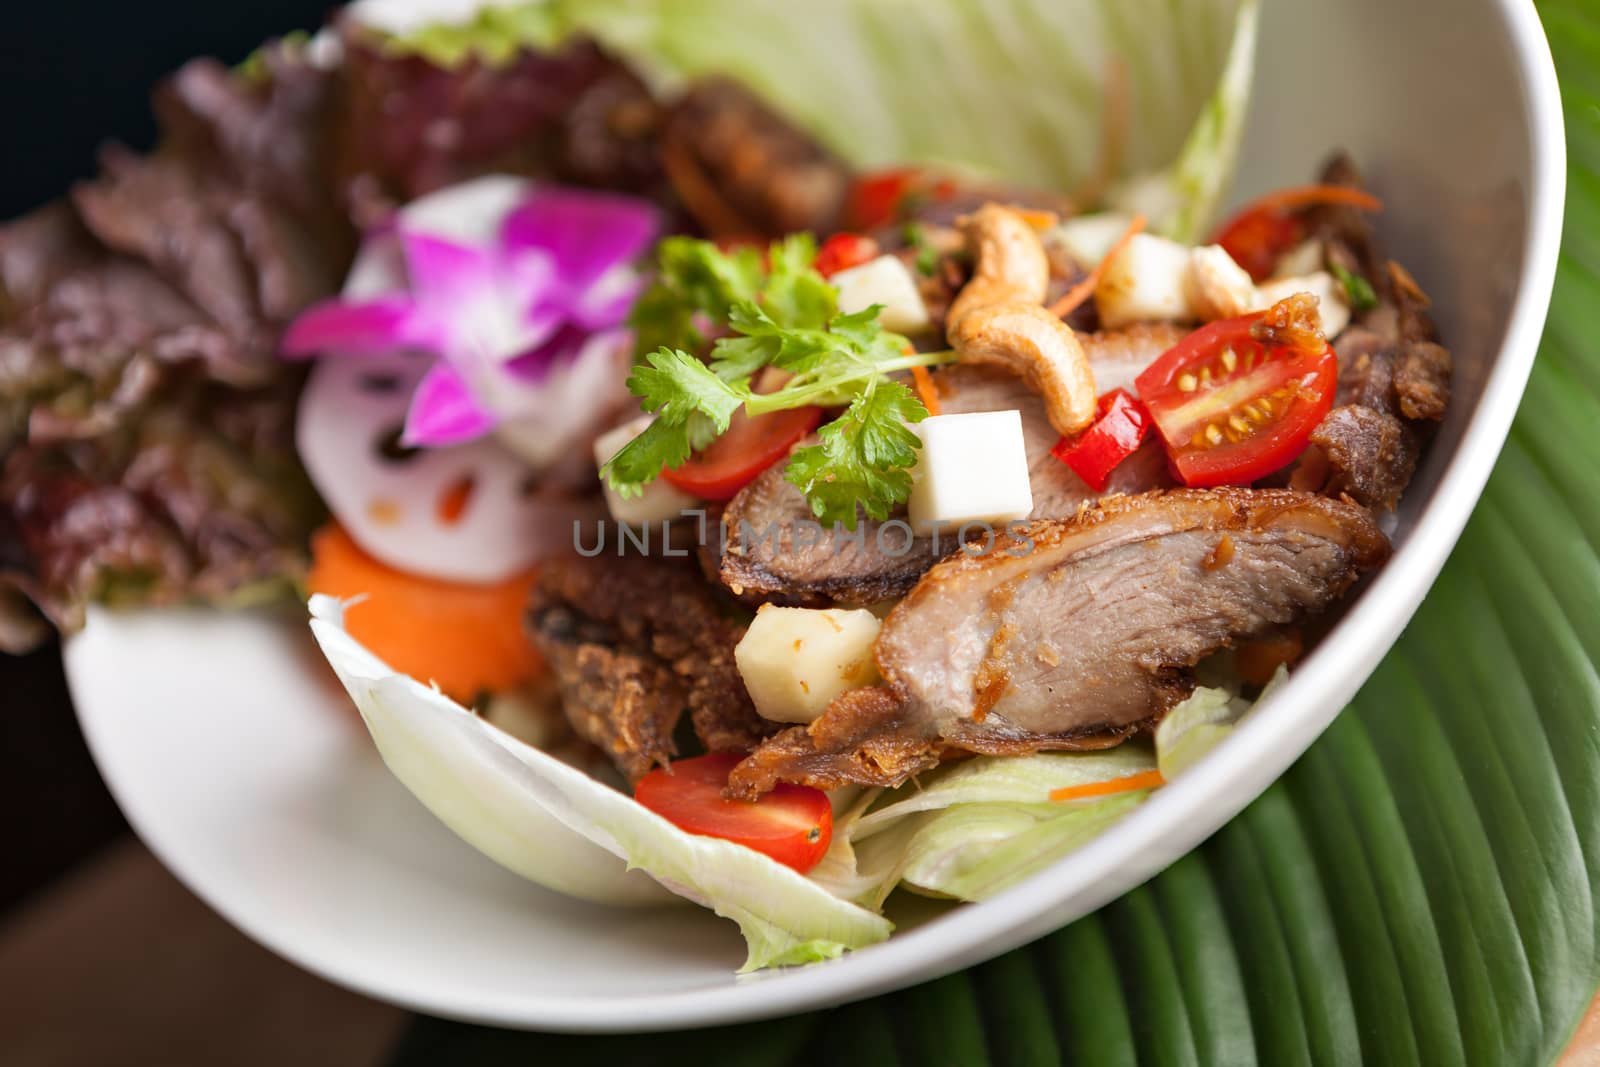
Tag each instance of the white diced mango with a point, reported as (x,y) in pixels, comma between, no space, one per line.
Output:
(885,281)
(971,468)
(1087,238)
(661,501)
(1218,288)
(1145,282)
(1332,307)
(794,661)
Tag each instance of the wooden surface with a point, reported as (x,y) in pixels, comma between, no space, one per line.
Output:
(120,964)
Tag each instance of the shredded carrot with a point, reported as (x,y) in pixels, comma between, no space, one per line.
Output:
(926,389)
(1144,780)
(1305,195)
(1073,298)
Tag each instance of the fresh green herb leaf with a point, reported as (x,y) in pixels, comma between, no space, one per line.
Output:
(692,406)
(777,313)
(694,279)
(639,462)
(927,256)
(675,385)
(864,458)
(1357,289)
(795,295)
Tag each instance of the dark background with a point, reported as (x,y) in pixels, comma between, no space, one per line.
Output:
(74,75)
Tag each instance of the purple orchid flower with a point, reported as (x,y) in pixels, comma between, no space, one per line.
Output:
(500,315)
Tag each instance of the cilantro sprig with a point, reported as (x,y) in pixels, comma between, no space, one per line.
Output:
(772,311)
(1357,290)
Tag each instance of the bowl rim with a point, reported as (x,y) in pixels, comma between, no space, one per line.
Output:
(1155,834)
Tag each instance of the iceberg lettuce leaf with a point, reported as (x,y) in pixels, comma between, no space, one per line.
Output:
(973,851)
(1204,721)
(559,827)
(937,834)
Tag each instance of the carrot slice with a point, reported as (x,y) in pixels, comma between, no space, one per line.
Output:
(1143,780)
(466,638)
(1073,298)
(926,389)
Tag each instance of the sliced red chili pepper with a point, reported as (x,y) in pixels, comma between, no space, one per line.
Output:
(1231,409)
(1116,434)
(843,251)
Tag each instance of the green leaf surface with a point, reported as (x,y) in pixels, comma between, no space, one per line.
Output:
(1419,889)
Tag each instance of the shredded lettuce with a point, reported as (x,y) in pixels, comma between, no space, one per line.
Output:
(558,826)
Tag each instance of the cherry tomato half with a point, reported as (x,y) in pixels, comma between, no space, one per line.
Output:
(1230,409)
(1117,432)
(793,824)
(883,196)
(1258,238)
(750,446)
(843,251)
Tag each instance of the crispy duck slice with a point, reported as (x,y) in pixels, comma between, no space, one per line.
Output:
(1075,633)
(775,551)
(632,643)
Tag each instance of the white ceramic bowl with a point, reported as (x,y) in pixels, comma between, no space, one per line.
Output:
(241,765)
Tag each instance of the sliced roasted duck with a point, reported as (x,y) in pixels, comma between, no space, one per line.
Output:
(632,642)
(774,550)
(1394,376)
(1075,633)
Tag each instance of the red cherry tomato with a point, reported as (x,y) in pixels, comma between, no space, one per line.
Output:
(883,196)
(1258,238)
(1259,235)
(843,251)
(875,198)
(1230,409)
(1116,434)
(793,824)
(750,446)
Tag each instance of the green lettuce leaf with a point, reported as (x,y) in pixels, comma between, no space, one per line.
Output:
(557,826)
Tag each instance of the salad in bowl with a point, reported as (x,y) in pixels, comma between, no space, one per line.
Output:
(694,502)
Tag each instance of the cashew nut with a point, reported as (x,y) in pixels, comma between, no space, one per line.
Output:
(1028,340)
(1217,287)
(1009,262)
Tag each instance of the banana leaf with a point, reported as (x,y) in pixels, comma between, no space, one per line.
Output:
(1419,888)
